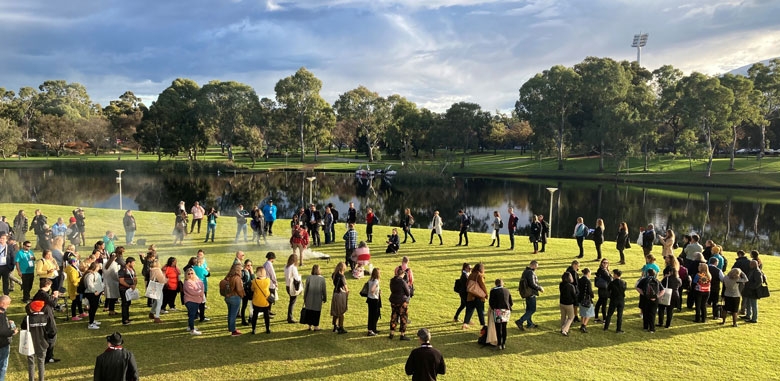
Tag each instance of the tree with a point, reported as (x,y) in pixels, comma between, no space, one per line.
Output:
(467,123)
(97,131)
(225,107)
(603,92)
(175,114)
(322,121)
(125,115)
(547,101)
(366,112)
(766,79)
(406,118)
(10,137)
(55,131)
(705,105)
(746,109)
(665,80)
(343,135)
(251,139)
(57,97)
(298,95)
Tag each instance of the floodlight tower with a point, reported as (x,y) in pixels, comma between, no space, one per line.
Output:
(640,40)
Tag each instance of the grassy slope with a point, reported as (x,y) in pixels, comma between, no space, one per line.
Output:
(167,351)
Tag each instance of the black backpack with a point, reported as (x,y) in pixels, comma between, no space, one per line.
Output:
(651,289)
(82,286)
(501,224)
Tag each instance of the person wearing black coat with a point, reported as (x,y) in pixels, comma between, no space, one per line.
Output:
(463,281)
(399,302)
(671,283)
(649,289)
(7,263)
(116,363)
(567,300)
(536,233)
(617,300)
(500,299)
(603,277)
(755,280)
(313,219)
(598,237)
(621,242)
(545,232)
(573,270)
(743,263)
(715,295)
(585,299)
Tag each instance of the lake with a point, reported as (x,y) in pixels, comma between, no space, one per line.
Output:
(737,219)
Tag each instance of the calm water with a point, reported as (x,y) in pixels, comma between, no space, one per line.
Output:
(736,219)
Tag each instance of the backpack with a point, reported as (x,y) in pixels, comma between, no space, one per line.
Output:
(458,288)
(704,284)
(82,286)
(525,291)
(224,287)
(466,220)
(376,220)
(500,224)
(651,289)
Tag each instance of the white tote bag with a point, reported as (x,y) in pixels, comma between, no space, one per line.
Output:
(132,294)
(154,290)
(26,341)
(665,298)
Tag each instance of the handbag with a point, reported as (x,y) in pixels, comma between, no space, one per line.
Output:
(132,294)
(665,299)
(303,316)
(364,290)
(271,298)
(601,282)
(26,341)
(474,289)
(154,290)
(502,315)
(763,291)
(297,288)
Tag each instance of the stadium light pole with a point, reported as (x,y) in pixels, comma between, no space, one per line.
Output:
(311,182)
(640,40)
(552,193)
(119,181)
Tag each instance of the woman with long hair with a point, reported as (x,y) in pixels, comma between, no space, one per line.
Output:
(496,225)
(598,237)
(476,300)
(194,295)
(671,283)
(731,294)
(146,261)
(668,241)
(622,241)
(436,228)
(406,225)
(603,278)
(74,277)
(338,305)
(156,274)
(171,288)
(536,232)
(374,302)
(247,276)
(93,287)
(293,283)
(701,292)
(233,298)
(260,292)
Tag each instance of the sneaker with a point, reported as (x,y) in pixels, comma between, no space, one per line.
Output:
(75,318)
(85,314)
(97,322)
(93,326)
(371,333)
(236,333)
(205,319)
(404,338)
(53,360)
(126,322)
(164,311)
(533,326)
(172,309)
(520,326)
(619,332)
(195,332)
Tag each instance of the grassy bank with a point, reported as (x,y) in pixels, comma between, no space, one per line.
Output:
(167,352)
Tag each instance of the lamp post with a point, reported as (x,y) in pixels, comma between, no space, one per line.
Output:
(311,183)
(119,181)
(552,193)
(640,40)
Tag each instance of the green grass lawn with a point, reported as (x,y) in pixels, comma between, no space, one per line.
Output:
(167,352)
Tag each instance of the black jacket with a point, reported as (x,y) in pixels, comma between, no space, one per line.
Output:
(617,290)
(598,235)
(648,238)
(584,289)
(399,291)
(621,240)
(425,363)
(531,280)
(742,263)
(5,330)
(464,280)
(500,299)
(10,260)
(568,294)
(116,364)
(42,325)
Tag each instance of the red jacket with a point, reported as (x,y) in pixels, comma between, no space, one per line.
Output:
(300,237)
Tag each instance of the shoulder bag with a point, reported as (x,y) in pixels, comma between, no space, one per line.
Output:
(474,289)
(26,341)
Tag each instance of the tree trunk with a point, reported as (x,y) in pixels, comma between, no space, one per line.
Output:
(647,158)
(560,143)
(733,147)
(300,128)
(370,150)
(601,156)
(711,150)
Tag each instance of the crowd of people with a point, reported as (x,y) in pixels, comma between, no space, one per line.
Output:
(106,277)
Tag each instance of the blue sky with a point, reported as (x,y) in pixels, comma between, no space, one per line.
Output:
(434,52)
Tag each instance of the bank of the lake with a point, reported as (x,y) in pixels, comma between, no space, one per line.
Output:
(167,352)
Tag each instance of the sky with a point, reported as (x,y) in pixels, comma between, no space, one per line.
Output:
(433,52)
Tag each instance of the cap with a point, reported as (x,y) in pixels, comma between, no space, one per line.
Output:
(73,219)
(115,338)
(270,201)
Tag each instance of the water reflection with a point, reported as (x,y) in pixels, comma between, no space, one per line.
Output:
(737,219)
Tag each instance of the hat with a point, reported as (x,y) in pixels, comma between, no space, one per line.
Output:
(115,338)
(270,201)
(73,219)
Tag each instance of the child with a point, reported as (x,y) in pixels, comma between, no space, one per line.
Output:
(617,299)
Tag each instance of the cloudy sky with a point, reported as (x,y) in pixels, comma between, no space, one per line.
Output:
(434,52)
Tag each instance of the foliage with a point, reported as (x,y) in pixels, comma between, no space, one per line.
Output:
(300,103)
(366,112)
(10,137)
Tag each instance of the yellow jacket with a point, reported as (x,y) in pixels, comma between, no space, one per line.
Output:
(261,290)
(74,277)
(42,268)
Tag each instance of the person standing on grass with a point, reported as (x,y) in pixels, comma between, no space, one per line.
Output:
(500,302)
(399,303)
(671,282)
(7,330)
(580,232)
(536,233)
(436,227)
(327,225)
(464,278)
(621,242)
(247,276)
(732,283)
(233,298)
(338,305)
(545,232)
(617,300)
(269,215)
(496,225)
(335,214)
(40,322)
(129,223)
(293,285)
(78,213)
(567,301)
(93,287)
(532,282)
(241,221)
(313,221)
(425,363)
(476,298)
(574,271)
(598,237)
(648,239)
(649,290)
(115,363)
(702,283)
(20,226)
(127,281)
(171,287)
(352,214)
(194,295)
(197,212)
(7,263)
(755,279)
(38,226)
(270,258)
(350,244)
(603,277)
(464,222)
(299,242)
(716,274)
(211,224)
(260,303)
(74,278)
(25,268)
(371,220)
(314,295)
(406,224)
(374,302)
(156,274)
(585,299)
(511,227)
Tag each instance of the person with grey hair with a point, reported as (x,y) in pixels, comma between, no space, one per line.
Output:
(7,330)
(750,293)
(425,362)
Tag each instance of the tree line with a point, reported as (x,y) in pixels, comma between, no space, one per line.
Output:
(600,106)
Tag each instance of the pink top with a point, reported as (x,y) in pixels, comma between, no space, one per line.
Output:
(197,212)
(363,255)
(193,291)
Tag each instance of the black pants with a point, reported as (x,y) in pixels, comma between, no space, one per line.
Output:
(392,248)
(598,250)
(291,306)
(622,256)
(498,239)
(408,232)
(27,284)
(94,302)
(314,232)
(348,258)
(649,310)
(244,302)
(665,310)
(6,276)
(700,305)
(192,226)
(76,305)
(601,304)
(269,227)
(511,239)
(111,304)
(544,242)
(369,232)
(373,313)
(125,305)
(579,244)
(433,231)
(169,298)
(462,305)
(500,333)
(615,305)
(464,234)
(266,317)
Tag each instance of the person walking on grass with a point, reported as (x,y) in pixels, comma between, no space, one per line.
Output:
(475,300)
(567,301)
(425,363)
(116,363)
(465,222)
(406,225)
(545,232)
(461,290)
(532,282)
(260,304)
(399,302)
(617,300)
(436,224)
(374,302)
(241,221)
(496,226)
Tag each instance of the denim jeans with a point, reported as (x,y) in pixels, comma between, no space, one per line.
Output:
(751,308)
(233,304)
(192,313)
(129,235)
(240,228)
(530,309)
(156,305)
(4,352)
(479,305)
(210,229)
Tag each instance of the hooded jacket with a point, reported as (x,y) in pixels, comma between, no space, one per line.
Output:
(41,325)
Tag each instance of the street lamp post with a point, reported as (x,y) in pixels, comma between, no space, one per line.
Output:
(311,182)
(119,181)
(640,40)
(552,193)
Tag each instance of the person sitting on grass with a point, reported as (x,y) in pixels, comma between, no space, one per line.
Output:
(362,259)
(393,242)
